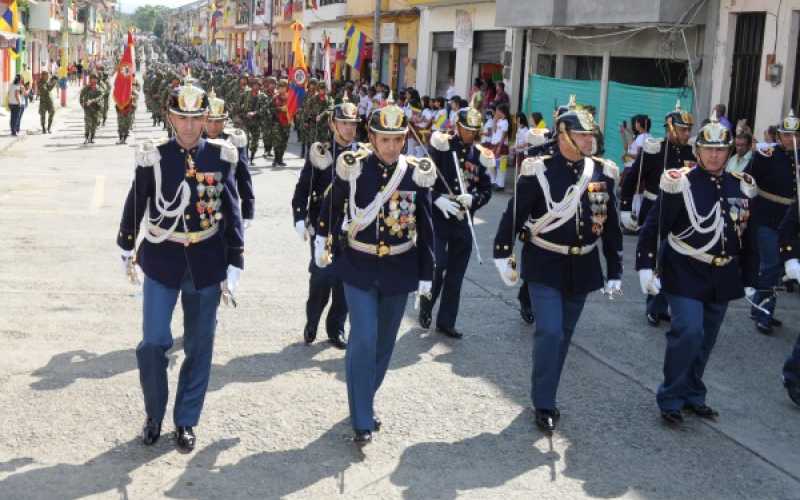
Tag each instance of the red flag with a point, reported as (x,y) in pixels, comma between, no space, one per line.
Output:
(126,73)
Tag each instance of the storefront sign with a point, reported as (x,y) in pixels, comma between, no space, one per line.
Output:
(462,38)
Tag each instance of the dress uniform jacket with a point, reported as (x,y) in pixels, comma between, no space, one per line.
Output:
(213,203)
(314,182)
(651,166)
(789,234)
(244,181)
(774,173)
(736,263)
(572,273)
(405,218)
(476,180)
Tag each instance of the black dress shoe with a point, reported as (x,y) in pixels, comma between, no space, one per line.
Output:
(377,423)
(776,323)
(664,317)
(652,319)
(793,390)
(185,439)
(362,437)
(546,420)
(672,417)
(151,432)
(309,334)
(450,332)
(527,314)
(425,307)
(702,411)
(337,340)
(764,326)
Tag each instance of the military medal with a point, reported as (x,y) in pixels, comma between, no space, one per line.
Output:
(190,171)
(199,177)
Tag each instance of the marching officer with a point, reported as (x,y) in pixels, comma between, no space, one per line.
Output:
(380,210)
(790,253)
(315,180)
(565,204)
(462,185)
(775,173)
(656,156)
(701,220)
(185,191)
(215,129)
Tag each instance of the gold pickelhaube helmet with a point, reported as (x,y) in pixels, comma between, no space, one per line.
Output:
(216,107)
(790,124)
(188,99)
(389,120)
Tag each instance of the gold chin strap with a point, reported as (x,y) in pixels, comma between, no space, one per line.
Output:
(563,131)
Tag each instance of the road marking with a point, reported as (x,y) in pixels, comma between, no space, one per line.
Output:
(99,192)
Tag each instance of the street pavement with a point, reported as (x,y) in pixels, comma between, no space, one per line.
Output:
(456,413)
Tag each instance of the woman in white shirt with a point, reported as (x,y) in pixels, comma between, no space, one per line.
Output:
(15,104)
(500,145)
(521,144)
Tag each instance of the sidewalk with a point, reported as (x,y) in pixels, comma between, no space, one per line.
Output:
(30,118)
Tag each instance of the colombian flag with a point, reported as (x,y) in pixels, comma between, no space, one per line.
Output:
(298,74)
(354,53)
(9,21)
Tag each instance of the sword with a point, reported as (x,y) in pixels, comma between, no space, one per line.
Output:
(796,170)
(461,186)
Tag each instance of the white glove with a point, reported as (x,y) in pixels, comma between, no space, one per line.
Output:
(508,275)
(447,206)
(126,255)
(792,268)
(425,287)
(440,141)
(300,229)
(649,283)
(319,250)
(627,221)
(246,223)
(465,200)
(749,292)
(232,281)
(614,287)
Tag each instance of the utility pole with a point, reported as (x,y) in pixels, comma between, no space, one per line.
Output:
(63,74)
(376,44)
(251,34)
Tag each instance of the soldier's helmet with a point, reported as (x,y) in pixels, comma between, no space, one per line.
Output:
(188,100)
(575,119)
(790,124)
(678,117)
(389,120)
(714,134)
(346,111)
(216,107)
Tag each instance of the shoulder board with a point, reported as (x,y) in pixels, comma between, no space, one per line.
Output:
(227,152)
(487,156)
(320,155)
(674,180)
(237,137)
(147,154)
(746,183)
(652,145)
(424,174)
(610,169)
(534,165)
(766,152)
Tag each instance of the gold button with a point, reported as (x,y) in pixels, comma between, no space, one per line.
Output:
(650,255)
(187,216)
(130,237)
(505,247)
(321,224)
(789,249)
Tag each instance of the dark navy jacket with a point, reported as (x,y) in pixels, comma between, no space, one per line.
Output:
(684,275)
(572,274)
(476,181)
(244,181)
(774,172)
(789,234)
(207,261)
(312,185)
(393,274)
(652,165)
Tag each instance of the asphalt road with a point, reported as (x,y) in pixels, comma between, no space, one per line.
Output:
(457,418)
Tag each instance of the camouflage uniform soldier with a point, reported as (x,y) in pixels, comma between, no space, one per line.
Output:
(253,103)
(304,133)
(126,115)
(46,86)
(282,126)
(91,100)
(105,86)
(268,116)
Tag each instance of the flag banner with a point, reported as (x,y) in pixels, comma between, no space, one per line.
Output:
(126,73)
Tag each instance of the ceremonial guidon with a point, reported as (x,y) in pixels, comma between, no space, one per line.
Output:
(316,180)
(462,187)
(563,209)
(184,197)
(775,172)
(380,210)
(215,129)
(657,155)
(701,219)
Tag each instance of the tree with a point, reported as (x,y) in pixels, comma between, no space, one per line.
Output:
(147,17)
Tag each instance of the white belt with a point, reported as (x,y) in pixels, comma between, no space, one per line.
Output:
(563,249)
(381,250)
(781,200)
(183,238)
(707,258)
(649,196)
